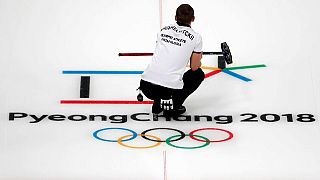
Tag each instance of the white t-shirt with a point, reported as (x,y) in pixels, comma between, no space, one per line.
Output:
(174,47)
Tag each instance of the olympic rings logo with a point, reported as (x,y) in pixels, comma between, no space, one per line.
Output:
(158,141)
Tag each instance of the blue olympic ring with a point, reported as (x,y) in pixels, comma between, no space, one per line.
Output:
(95,134)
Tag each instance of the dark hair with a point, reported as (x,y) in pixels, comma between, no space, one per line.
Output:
(185,13)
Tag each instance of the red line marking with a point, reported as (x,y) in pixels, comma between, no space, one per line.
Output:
(164,165)
(160,13)
(212,73)
(135,54)
(103,102)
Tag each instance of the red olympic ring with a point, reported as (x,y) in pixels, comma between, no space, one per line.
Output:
(228,132)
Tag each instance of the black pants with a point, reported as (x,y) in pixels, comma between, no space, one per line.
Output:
(191,80)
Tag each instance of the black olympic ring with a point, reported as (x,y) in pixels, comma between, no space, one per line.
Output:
(145,137)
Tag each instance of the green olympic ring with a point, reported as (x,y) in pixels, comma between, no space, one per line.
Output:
(207,142)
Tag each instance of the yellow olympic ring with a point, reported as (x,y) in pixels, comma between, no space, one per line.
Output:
(137,147)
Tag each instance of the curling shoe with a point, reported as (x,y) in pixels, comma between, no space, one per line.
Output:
(156,108)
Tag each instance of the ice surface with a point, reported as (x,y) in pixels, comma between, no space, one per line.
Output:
(40,39)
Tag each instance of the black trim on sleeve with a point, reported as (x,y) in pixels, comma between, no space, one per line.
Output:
(196,52)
